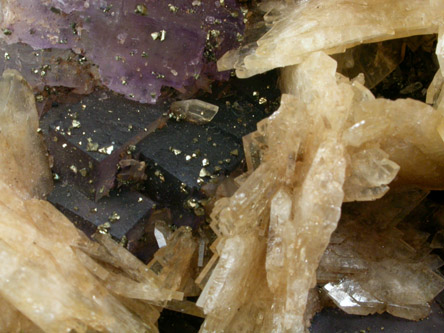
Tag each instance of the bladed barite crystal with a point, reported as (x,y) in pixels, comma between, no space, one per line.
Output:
(330,141)
(295,29)
(284,232)
(52,277)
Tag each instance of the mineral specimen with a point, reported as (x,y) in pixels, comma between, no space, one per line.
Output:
(52,277)
(386,271)
(20,145)
(323,146)
(138,46)
(278,231)
(49,67)
(194,111)
(295,29)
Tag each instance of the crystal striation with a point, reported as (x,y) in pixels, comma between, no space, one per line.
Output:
(330,141)
(20,145)
(295,29)
(52,277)
(369,267)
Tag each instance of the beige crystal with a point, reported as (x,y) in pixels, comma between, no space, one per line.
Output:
(330,141)
(298,28)
(52,277)
(293,197)
(194,110)
(370,268)
(21,146)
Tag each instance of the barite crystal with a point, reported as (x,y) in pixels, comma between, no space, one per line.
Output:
(52,277)
(330,141)
(194,111)
(370,267)
(20,145)
(295,29)
(290,199)
(279,233)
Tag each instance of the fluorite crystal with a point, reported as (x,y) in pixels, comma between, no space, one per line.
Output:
(279,235)
(138,46)
(52,277)
(49,67)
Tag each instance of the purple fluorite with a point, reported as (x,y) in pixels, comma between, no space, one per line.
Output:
(49,67)
(138,46)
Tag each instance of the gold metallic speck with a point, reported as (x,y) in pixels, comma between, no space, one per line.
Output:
(103,228)
(204,173)
(91,146)
(141,10)
(75,123)
(114,217)
(176,151)
(73,168)
(106,150)
(173,8)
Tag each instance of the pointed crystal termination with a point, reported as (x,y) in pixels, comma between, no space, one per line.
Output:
(284,212)
(331,140)
(24,164)
(299,28)
(371,171)
(175,262)
(194,111)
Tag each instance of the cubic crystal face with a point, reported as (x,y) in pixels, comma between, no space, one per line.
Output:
(138,46)
(281,229)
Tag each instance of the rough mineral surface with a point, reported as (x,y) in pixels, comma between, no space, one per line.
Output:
(53,278)
(49,67)
(373,265)
(21,146)
(139,46)
(330,141)
(281,234)
(298,28)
